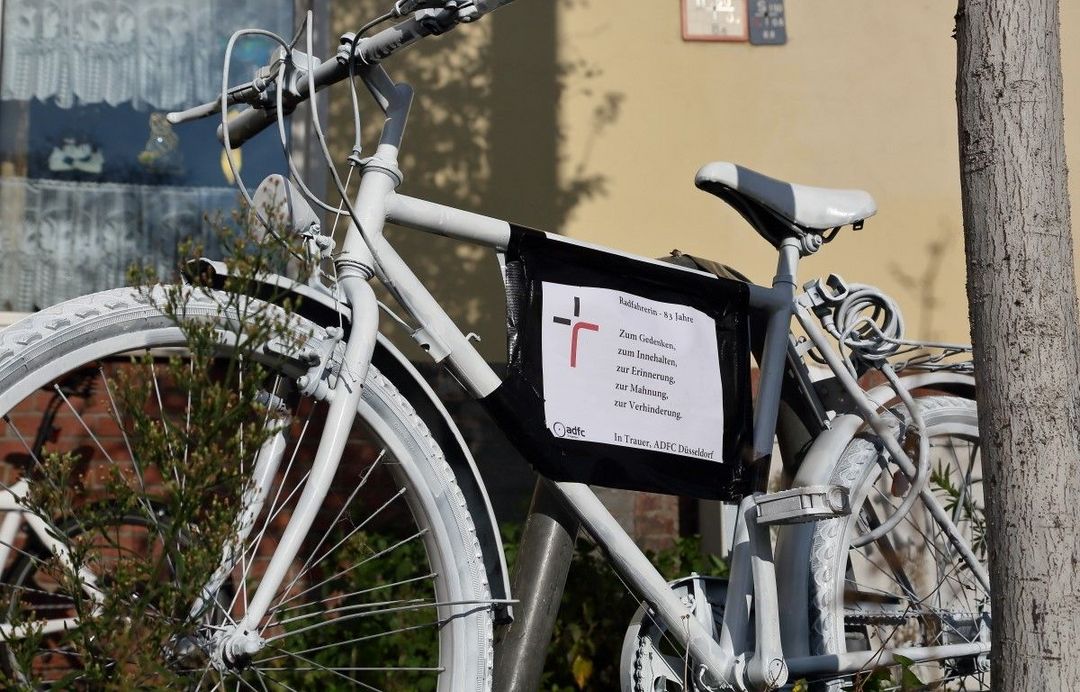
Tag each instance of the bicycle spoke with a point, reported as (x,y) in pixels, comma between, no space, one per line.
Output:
(331,614)
(356,640)
(932,545)
(33,558)
(82,422)
(118,419)
(206,671)
(336,671)
(253,547)
(372,613)
(260,678)
(897,569)
(345,506)
(361,592)
(33,455)
(240,377)
(164,422)
(310,561)
(187,414)
(349,569)
(245,683)
(278,683)
(928,543)
(350,534)
(888,552)
(913,603)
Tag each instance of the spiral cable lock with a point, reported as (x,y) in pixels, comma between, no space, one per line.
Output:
(868,325)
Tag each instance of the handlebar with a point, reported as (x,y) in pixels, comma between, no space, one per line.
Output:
(368,51)
(249,123)
(486,6)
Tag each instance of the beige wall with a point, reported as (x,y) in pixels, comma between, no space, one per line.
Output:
(861,96)
(590,117)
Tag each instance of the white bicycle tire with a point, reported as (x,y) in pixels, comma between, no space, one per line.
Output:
(833,564)
(82,331)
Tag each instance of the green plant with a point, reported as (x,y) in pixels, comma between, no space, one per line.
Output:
(140,528)
(961,505)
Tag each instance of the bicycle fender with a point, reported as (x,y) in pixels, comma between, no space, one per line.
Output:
(412,385)
(319,306)
(828,446)
(793,541)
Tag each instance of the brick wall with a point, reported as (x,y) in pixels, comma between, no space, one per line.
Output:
(653,520)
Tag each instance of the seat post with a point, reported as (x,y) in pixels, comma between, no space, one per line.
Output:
(791,249)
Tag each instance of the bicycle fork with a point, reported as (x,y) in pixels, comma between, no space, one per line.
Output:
(244,639)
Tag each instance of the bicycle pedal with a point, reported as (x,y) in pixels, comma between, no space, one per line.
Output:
(798,505)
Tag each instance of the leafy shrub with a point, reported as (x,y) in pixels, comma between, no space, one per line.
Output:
(140,530)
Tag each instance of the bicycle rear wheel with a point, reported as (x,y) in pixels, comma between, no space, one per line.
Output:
(911,588)
(388,592)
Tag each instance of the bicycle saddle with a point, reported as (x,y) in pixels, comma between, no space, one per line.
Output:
(811,208)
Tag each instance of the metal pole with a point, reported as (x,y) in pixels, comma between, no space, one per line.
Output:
(543,561)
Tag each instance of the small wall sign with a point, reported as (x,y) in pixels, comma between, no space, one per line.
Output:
(767,25)
(714,20)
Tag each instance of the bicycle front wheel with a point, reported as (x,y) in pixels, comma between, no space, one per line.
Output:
(911,588)
(112,577)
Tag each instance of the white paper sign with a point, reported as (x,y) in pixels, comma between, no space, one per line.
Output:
(625,370)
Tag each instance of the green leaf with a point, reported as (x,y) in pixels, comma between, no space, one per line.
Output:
(908,679)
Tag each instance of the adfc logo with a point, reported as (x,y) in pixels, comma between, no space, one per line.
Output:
(576,326)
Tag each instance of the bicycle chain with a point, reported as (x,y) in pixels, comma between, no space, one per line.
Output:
(884,618)
(899,617)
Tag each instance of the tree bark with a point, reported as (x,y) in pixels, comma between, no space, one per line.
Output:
(1022,296)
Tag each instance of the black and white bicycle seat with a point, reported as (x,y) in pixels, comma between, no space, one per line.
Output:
(812,208)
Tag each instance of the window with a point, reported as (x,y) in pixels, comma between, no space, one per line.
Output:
(92,177)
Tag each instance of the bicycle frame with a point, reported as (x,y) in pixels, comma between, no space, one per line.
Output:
(755,661)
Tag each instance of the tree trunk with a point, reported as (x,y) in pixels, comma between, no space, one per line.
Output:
(1022,296)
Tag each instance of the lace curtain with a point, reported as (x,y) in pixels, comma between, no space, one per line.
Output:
(155,54)
(61,239)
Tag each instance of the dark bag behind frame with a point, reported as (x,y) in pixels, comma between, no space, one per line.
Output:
(518,404)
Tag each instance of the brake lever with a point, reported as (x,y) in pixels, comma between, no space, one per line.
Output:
(245,93)
(201,111)
(258,92)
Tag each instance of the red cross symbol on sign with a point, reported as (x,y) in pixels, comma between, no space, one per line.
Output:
(575,327)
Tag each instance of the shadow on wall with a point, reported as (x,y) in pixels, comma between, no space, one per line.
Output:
(923,283)
(483,136)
